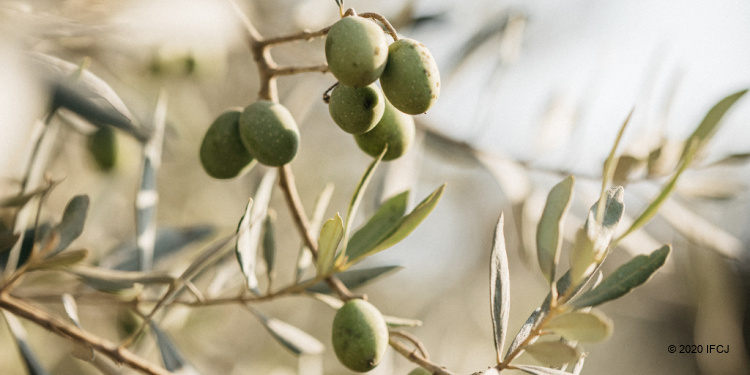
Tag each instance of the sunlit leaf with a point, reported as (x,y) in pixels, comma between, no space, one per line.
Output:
(393,321)
(357,199)
(33,366)
(592,326)
(73,220)
(549,231)
(628,276)
(701,230)
(249,232)
(356,278)
(732,159)
(304,260)
(608,171)
(710,124)
(552,353)
(111,280)
(499,288)
(626,167)
(538,370)
(384,222)
(406,225)
(170,355)
(579,364)
(328,242)
(269,243)
(523,333)
(291,337)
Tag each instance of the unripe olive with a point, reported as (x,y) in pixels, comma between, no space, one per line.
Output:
(222,153)
(411,80)
(419,371)
(356,110)
(360,335)
(102,146)
(356,51)
(395,129)
(269,132)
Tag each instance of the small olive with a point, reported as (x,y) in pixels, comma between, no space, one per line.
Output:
(102,146)
(419,371)
(356,51)
(356,111)
(222,153)
(411,80)
(360,335)
(395,129)
(269,132)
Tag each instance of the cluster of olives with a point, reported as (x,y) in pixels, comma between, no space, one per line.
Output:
(358,54)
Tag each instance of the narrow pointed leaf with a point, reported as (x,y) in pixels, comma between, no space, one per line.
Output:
(328,242)
(523,333)
(65,259)
(170,355)
(80,351)
(538,370)
(33,366)
(382,224)
(394,321)
(73,220)
(406,225)
(21,200)
(552,353)
(304,260)
(111,280)
(628,276)
(249,232)
(269,243)
(169,240)
(592,326)
(708,127)
(608,171)
(549,231)
(297,341)
(356,278)
(499,288)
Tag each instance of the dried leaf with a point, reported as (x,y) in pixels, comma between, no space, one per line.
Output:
(552,353)
(356,278)
(628,276)
(328,242)
(592,326)
(499,288)
(549,231)
(73,220)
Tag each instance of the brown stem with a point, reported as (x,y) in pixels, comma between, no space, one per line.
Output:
(305,35)
(291,70)
(390,29)
(412,356)
(411,338)
(54,324)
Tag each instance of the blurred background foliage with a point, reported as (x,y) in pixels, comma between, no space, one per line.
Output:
(532,91)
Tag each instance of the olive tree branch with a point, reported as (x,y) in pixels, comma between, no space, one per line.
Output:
(53,324)
(413,356)
(291,70)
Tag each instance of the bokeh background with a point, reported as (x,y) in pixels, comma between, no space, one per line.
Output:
(531,91)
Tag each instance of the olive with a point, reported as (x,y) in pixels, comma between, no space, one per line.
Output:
(411,80)
(356,51)
(395,129)
(222,153)
(356,111)
(269,132)
(360,335)
(419,371)
(102,146)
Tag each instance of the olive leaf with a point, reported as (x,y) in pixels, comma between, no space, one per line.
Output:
(304,259)
(80,351)
(355,278)
(549,230)
(608,171)
(7,240)
(628,276)
(269,243)
(170,355)
(499,288)
(33,366)
(328,242)
(169,240)
(525,330)
(379,226)
(591,326)
(405,226)
(113,280)
(291,337)
(249,230)
(710,123)
(73,220)
(65,259)
(552,353)
(538,370)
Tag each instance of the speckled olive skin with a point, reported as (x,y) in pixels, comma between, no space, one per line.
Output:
(419,371)
(356,51)
(411,80)
(360,335)
(269,132)
(356,111)
(102,145)
(395,129)
(222,153)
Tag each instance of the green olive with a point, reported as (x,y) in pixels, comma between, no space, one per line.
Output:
(395,129)
(102,146)
(360,335)
(356,51)
(419,371)
(269,132)
(411,80)
(356,111)
(222,153)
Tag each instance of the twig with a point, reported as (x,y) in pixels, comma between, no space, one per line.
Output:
(291,70)
(305,35)
(412,356)
(413,339)
(54,324)
(389,28)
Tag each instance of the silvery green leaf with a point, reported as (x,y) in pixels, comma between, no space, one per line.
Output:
(355,278)
(80,351)
(591,326)
(249,230)
(73,220)
(579,364)
(710,124)
(65,259)
(384,222)
(291,337)
(170,355)
(169,240)
(304,260)
(523,333)
(608,171)
(33,366)
(552,353)
(112,280)
(538,370)
(628,276)
(549,230)
(701,230)
(328,242)
(499,288)
(356,200)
